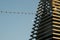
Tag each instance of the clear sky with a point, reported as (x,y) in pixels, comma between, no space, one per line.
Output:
(17,26)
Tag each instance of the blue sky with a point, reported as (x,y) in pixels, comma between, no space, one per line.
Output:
(17,26)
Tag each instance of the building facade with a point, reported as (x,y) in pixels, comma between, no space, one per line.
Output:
(47,21)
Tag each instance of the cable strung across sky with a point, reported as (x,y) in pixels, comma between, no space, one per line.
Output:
(16,12)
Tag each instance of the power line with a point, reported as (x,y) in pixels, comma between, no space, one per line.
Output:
(10,12)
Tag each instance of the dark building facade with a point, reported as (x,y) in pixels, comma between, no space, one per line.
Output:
(47,21)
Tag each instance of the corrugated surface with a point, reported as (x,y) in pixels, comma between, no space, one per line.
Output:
(47,23)
(56,19)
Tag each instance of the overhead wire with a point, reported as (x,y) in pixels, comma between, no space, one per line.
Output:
(15,12)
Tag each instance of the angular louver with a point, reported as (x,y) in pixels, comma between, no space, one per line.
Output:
(47,21)
(56,19)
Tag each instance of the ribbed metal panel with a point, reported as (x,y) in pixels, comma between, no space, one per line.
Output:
(56,19)
(47,23)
